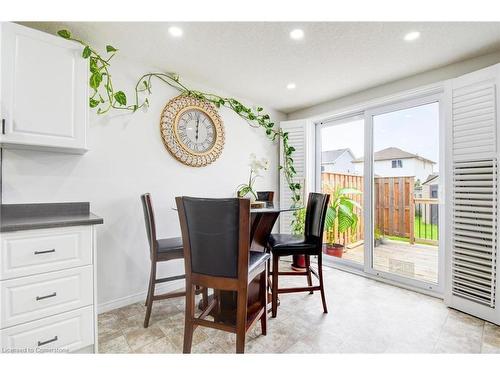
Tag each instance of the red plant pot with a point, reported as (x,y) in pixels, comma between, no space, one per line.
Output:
(334,250)
(299,262)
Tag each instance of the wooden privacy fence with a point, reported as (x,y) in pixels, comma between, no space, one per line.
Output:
(395,207)
(393,201)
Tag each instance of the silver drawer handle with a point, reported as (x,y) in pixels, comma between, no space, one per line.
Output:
(45,251)
(40,343)
(38,298)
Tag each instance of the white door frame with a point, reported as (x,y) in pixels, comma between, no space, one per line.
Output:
(368,187)
(358,115)
(413,98)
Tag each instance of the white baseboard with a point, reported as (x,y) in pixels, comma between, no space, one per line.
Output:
(138,297)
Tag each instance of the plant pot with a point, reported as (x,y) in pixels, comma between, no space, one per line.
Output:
(299,263)
(334,250)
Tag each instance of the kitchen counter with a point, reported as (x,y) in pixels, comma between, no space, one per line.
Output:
(28,216)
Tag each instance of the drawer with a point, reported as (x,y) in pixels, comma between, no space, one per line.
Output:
(34,297)
(66,332)
(30,252)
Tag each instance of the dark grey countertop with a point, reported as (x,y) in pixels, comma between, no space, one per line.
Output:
(46,215)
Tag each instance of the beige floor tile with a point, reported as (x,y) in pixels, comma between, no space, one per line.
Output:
(118,345)
(139,337)
(491,338)
(108,328)
(159,346)
(176,336)
(130,310)
(461,333)
(365,316)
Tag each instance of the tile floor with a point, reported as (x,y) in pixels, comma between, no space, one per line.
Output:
(365,316)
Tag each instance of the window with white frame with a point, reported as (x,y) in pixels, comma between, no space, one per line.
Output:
(397,163)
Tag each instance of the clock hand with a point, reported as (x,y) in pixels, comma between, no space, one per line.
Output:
(197,125)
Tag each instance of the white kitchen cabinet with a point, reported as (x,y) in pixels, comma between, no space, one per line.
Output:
(48,290)
(44,91)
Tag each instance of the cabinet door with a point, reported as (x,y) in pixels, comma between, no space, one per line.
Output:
(43,91)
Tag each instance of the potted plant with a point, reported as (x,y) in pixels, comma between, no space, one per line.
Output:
(340,216)
(256,165)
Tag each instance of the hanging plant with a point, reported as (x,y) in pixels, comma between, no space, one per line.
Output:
(105,97)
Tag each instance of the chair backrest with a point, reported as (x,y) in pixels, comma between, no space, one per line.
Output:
(215,235)
(265,196)
(149,220)
(317,205)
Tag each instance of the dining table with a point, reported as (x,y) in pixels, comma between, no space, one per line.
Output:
(262,221)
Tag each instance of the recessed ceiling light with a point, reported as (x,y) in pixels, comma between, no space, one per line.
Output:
(175,31)
(413,35)
(291,86)
(297,34)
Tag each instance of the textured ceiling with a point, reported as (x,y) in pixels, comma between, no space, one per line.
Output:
(257,60)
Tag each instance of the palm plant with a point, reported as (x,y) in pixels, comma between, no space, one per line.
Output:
(341,213)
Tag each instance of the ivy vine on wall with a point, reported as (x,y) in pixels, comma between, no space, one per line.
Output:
(105,97)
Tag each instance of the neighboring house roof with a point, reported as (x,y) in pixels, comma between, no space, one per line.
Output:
(431,178)
(392,153)
(331,156)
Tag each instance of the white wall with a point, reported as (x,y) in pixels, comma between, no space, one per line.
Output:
(127,158)
(422,79)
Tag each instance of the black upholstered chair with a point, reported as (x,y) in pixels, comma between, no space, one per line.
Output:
(216,238)
(310,244)
(160,250)
(265,196)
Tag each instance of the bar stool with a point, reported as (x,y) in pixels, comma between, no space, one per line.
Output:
(311,244)
(161,250)
(216,235)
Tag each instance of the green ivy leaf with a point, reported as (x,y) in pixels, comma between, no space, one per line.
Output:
(86,52)
(121,98)
(64,33)
(93,103)
(93,65)
(95,80)
(110,49)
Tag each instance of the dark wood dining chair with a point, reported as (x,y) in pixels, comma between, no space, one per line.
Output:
(265,196)
(309,244)
(160,250)
(216,238)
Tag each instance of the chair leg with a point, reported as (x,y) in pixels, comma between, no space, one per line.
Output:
(241,320)
(151,293)
(321,284)
(204,295)
(275,286)
(263,299)
(269,283)
(188,319)
(308,270)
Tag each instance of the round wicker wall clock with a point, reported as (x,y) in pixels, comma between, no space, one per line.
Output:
(192,131)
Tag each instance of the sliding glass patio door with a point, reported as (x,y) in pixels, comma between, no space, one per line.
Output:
(405,187)
(386,163)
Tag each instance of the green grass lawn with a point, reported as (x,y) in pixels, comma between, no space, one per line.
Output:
(422,231)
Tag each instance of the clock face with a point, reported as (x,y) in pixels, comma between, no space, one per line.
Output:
(192,131)
(195,131)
